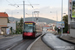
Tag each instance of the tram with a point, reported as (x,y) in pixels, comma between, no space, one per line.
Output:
(31,29)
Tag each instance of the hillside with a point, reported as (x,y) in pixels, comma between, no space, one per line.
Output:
(40,19)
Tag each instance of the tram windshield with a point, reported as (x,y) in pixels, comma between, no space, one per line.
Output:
(28,27)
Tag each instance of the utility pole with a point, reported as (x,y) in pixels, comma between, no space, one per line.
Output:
(57,19)
(23,8)
(57,15)
(32,13)
(61,16)
(23,11)
(36,15)
(61,10)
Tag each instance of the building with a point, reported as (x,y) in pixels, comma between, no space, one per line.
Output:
(42,23)
(71,17)
(13,25)
(3,22)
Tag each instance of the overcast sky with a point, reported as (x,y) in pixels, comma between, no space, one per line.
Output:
(44,7)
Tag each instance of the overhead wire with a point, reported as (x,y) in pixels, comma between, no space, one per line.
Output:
(15,3)
(30,4)
(8,1)
(12,4)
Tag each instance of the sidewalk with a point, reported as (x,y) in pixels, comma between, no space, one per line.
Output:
(1,36)
(39,45)
(68,38)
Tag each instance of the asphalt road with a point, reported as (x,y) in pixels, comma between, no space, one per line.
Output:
(15,43)
(56,43)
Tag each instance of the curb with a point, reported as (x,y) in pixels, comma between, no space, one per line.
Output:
(67,41)
(34,42)
(47,43)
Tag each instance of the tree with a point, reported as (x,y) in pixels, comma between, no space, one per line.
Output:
(21,25)
(21,22)
(65,19)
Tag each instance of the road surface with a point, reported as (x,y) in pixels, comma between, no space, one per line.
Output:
(15,43)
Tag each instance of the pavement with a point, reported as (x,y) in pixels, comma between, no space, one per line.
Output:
(15,43)
(65,37)
(39,45)
(51,42)
(57,44)
(68,38)
(2,36)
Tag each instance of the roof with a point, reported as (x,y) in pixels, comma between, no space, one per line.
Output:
(3,14)
(3,25)
(29,22)
(46,26)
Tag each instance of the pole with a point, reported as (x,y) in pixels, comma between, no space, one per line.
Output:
(57,19)
(23,10)
(32,16)
(61,9)
(32,13)
(23,13)
(57,15)
(38,16)
(61,15)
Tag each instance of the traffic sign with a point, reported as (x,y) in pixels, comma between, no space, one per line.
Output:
(60,24)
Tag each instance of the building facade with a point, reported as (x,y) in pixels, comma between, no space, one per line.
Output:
(3,21)
(71,19)
(13,25)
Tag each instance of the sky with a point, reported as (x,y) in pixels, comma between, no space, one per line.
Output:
(50,9)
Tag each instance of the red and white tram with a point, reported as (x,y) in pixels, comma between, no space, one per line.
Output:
(31,29)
